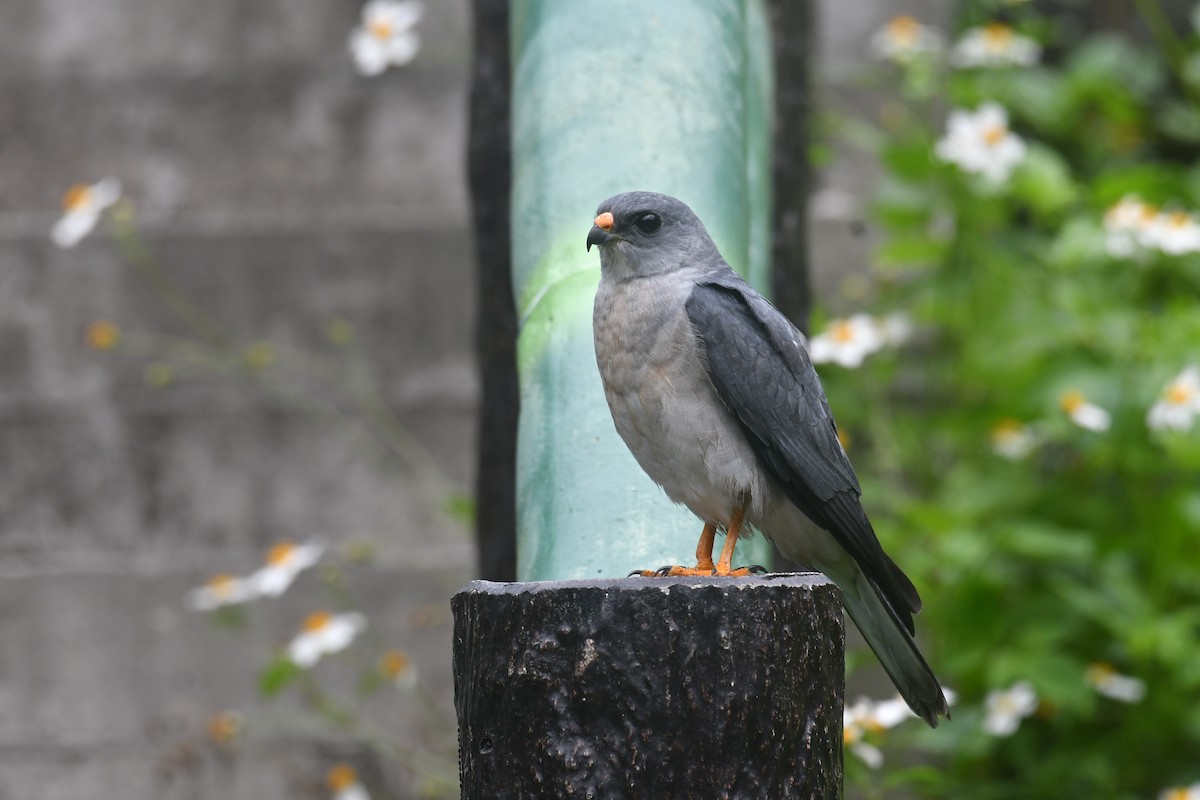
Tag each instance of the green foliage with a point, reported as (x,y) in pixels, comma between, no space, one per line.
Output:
(1086,549)
(275,677)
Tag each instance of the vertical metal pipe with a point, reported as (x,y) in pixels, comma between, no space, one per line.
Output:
(670,96)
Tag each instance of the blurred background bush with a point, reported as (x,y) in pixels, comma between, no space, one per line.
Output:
(1030,450)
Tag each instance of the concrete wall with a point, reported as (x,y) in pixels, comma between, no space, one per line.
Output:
(280,189)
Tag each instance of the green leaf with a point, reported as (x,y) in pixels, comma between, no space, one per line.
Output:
(910,158)
(1107,61)
(369,682)
(277,675)
(230,618)
(1080,243)
(1180,121)
(909,251)
(1043,180)
(1048,543)
(462,508)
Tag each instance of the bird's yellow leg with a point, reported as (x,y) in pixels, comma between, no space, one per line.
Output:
(704,563)
(725,564)
(704,548)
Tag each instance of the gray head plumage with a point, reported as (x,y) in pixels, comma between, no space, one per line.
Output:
(646,233)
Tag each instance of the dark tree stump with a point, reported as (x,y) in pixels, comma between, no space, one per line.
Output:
(657,688)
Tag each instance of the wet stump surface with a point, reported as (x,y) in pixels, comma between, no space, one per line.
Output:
(650,688)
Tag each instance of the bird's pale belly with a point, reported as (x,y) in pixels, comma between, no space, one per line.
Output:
(672,422)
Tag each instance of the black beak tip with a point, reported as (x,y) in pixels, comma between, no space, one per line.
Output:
(597,236)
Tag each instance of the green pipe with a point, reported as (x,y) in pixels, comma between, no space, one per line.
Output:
(671,96)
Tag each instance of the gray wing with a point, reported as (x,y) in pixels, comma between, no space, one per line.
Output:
(763,374)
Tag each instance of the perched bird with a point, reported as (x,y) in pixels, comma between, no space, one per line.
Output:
(714,393)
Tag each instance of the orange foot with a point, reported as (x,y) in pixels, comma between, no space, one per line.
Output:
(699,571)
(704,564)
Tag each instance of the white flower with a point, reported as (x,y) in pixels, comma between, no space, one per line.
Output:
(82,207)
(1131,226)
(1012,440)
(284,562)
(221,590)
(324,632)
(1175,233)
(397,667)
(1180,403)
(995,45)
(903,39)
(1126,225)
(869,716)
(896,329)
(386,36)
(857,720)
(980,142)
(1108,682)
(343,783)
(846,341)
(1084,413)
(1007,707)
(1181,793)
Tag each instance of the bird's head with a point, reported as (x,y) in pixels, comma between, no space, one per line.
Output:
(645,233)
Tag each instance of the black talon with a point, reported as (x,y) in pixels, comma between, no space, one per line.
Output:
(663,572)
(637,573)
(757,569)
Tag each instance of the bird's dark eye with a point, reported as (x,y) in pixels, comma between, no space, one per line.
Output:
(648,223)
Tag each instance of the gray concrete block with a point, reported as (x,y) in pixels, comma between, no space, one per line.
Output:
(406,294)
(122,39)
(154,673)
(162,487)
(260,151)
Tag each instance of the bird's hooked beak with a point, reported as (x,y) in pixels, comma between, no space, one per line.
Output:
(599,234)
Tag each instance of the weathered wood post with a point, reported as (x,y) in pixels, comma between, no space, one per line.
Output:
(588,684)
(700,688)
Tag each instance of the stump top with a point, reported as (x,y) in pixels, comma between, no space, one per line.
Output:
(799,580)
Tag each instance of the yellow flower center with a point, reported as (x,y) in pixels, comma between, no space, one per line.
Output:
(842,332)
(77,197)
(380,29)
(102,335)
(903,30)
(1149,212)
(1072,401)
(1178,219)
(281,553)
(994,134)
(1176,794)
(341,777)
(1100,673)
(997,36)
(851,735)
(159,374)
(339,331)
(394,663)
(1006,429)
(222,585)
(260,355)
(1178,394)
(224,727)
(317,621)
